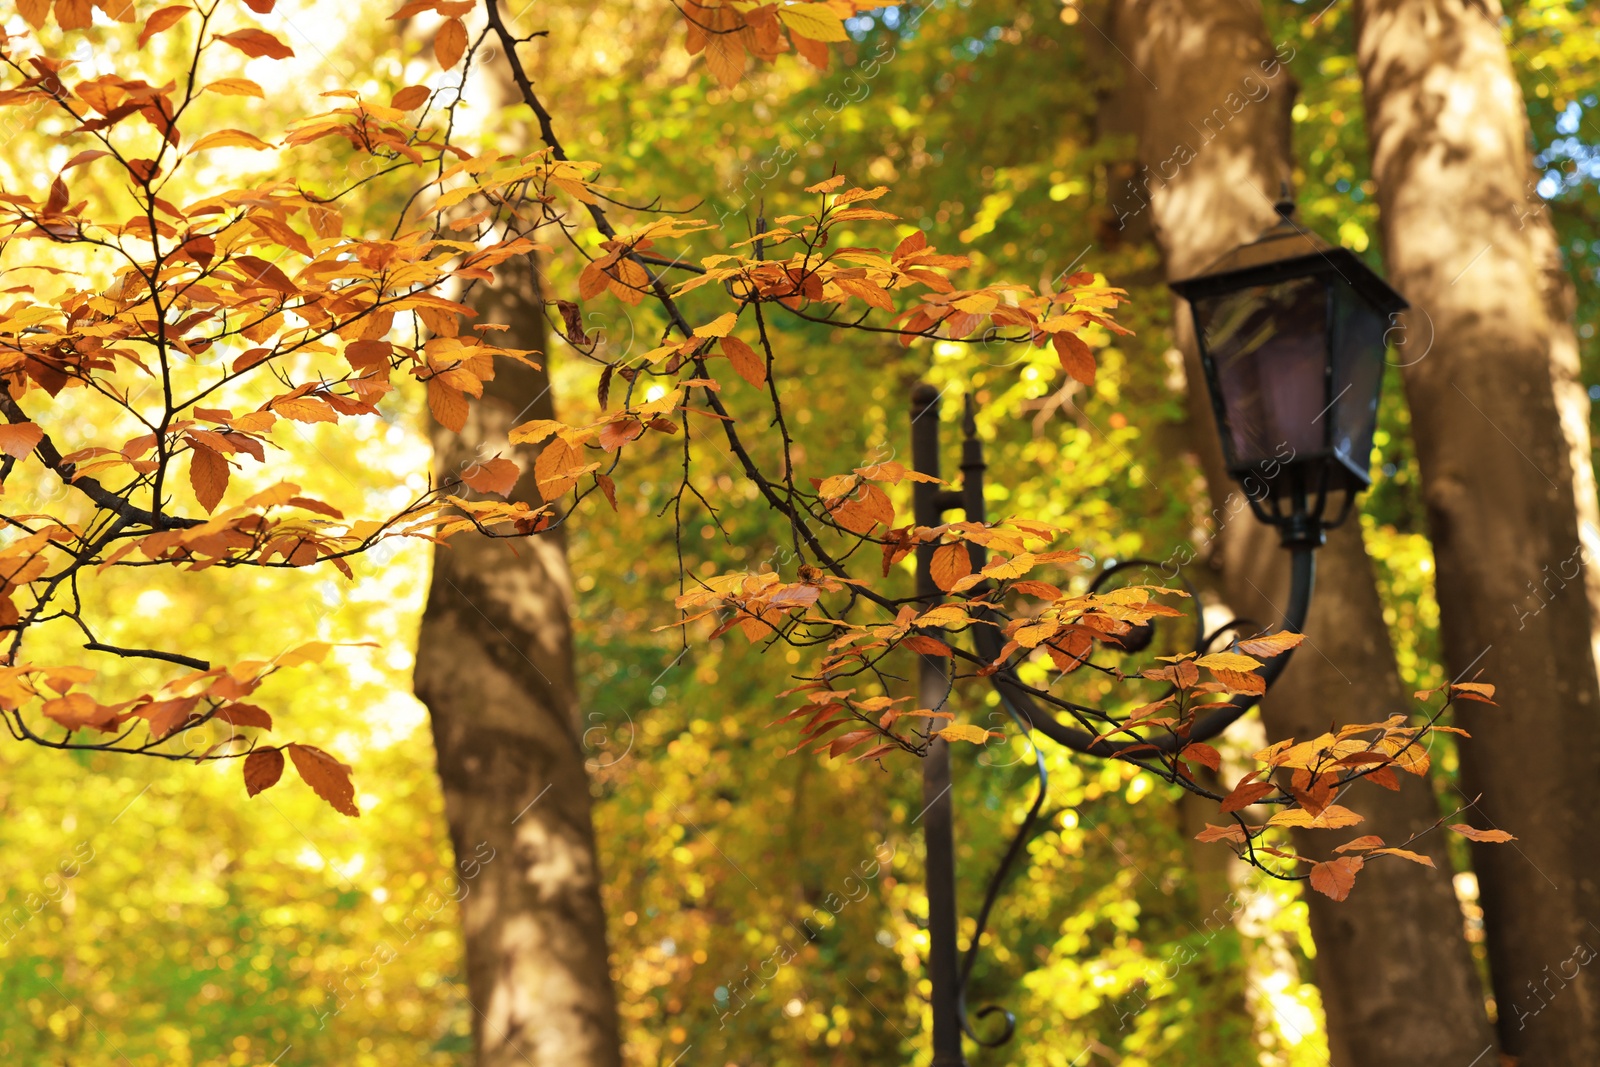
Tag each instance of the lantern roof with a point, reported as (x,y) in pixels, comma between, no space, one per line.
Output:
(1287,250)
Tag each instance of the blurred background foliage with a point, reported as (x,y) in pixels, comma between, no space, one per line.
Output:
(152,915)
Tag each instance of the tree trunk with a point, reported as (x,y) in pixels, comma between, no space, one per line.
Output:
(1210,101)
(494,666)
(1467,242)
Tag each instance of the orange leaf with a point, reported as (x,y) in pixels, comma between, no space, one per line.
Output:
(1360,843)
(327,776)
(1076,359)
(261,272)
(448,404)
(160,20)
(1473,691)
(1211,833)
(245,715)
(1201,753)
(1336,877)
(208,475)
(497,476)
(256,43)
(262,769)
(927,646)
(1474,834)
(1272,644)
(950,564)
(1245,794)
(449,43)
(744,359)
(410,98)
(17,439)
(1414,857)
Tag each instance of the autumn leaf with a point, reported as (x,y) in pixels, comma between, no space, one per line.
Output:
(750,366)
(950,564)
(1414,857)
(816,21)
(36,12)
(720,326)
(1331,817)
(256,44)
(234,87)
(1232,832)
(208,476)
(1202,753)
(1361,843)
(1246,794)
(1336,878)
(1227,661)
(17,439)
(961,731)
(163,19)
(450,43)
(1272,644)
(1474,834)
(1478,691)
(497,476)
(261,272)
(262,769)
(448,404)
(329,778)
(1076,358)
(231,139)
(410,98)
(924,645)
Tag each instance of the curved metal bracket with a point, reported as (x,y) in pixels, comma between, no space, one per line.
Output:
(1019,702)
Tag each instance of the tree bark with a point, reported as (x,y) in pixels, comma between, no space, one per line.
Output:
(494,666)
(1506,493)
(1210,99)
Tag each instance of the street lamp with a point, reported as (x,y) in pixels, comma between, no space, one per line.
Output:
(1291,332)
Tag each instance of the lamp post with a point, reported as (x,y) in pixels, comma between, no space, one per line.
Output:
(1292,336)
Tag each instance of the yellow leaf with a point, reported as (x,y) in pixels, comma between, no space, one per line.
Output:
(816,21)
(230,139)
(720,326)
(961,731)
(234,87)
(1331,817)
(1227,661)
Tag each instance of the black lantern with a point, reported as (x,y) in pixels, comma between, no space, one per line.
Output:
(1291,333)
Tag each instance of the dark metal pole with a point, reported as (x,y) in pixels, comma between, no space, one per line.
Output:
(938,826)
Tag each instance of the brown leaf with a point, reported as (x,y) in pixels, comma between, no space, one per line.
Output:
(17,439)
(256,43)
(1335,878)
(1202,753)
(208,475)
(1245,794)
(1076,358)
(497,476)
(244,715)
(327,776)
(261,272)
(1474,834)
(262,769)
(450,43)
(750,366)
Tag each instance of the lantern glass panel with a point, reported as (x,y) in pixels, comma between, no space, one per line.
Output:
(1268,345)
(1358,353)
